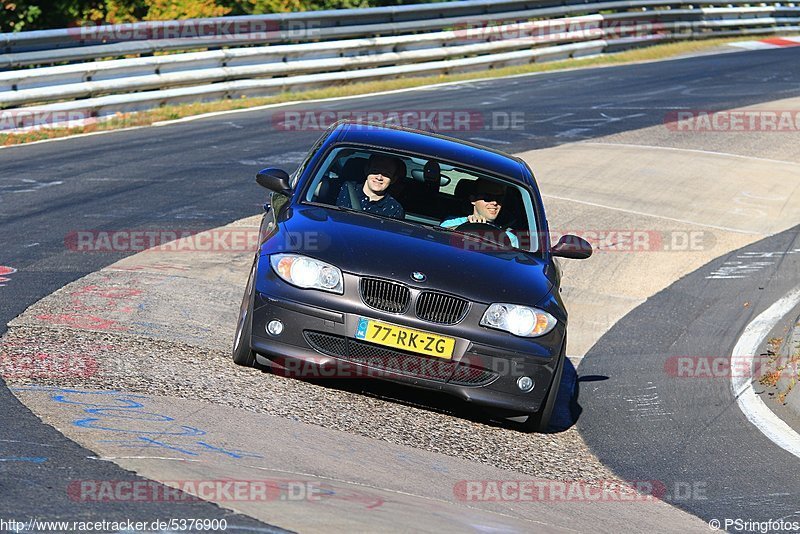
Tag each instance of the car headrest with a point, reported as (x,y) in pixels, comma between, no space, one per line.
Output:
(513,210)
(402,170)
(465,189)
(432,173)
(355,170)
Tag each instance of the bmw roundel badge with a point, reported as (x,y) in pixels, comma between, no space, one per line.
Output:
(418,276)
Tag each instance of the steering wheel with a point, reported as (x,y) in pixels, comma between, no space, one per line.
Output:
(486,230)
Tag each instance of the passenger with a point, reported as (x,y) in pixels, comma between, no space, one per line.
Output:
(373,195)
(486,205)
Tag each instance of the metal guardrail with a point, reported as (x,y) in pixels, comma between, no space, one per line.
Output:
(379,50)
(77,44)
(278,22)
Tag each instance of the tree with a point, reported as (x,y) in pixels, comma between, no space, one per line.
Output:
(184,9)
(19,15)
(24,15)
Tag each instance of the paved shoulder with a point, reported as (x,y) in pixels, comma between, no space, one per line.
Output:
(662,407)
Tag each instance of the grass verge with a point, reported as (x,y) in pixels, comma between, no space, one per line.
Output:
(782,368)
(179,111)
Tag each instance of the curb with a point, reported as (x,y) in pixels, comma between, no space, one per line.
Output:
(790,348)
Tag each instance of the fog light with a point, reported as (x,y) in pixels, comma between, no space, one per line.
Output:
(275,327)
(525,383)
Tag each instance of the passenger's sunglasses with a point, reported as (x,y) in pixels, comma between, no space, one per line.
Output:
(387,172)
(487,197)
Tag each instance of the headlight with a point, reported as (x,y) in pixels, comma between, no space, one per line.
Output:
(519,320)
(308,273)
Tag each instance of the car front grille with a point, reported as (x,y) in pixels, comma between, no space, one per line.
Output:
(466,375)
(326,343)
(384,295)
(441,308)
(398,362)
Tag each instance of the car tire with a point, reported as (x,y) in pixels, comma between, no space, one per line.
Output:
(540,421)
(242,353)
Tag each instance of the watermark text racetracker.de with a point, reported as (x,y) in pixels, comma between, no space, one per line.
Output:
(217,490)
(601,239)
(265,29)
(437,120)
(220,29)
(552,491)
(118,525)
(46,365)
(378,365)
(19,121)
(717,366)
(234,240)
(561,29)
(171,240)
(733,121)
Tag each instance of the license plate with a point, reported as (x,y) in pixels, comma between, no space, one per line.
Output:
(408,339)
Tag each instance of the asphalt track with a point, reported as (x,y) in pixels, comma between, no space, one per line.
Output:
(646,420)
(198,175)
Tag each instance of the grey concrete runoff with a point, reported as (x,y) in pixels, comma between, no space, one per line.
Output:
(159,324)
(194,416)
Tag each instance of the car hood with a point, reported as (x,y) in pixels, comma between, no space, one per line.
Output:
(385,248)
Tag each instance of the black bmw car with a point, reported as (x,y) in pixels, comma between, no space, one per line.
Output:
(408,256)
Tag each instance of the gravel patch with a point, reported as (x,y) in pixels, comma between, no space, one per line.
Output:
(115,361)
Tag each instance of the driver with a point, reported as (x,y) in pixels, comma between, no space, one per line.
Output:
(373,195)
(486,204)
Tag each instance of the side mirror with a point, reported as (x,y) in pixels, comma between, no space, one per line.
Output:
(274,179)
(572,246)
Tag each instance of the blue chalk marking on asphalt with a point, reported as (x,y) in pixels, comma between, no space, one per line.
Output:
(167,446)
(156,417)
(90,422)
(145,324)
(233,453)
(131,404)
(128,409)
(192,449)
(31,459)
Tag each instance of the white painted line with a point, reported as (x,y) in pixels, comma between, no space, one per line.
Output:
(643,214)
(711,152)
(115,458)
(764,44)
(488,140)
(296,102)
(401,492)
(753,45)
(365,95)
(751,404)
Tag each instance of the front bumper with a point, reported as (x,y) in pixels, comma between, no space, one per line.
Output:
(319,342)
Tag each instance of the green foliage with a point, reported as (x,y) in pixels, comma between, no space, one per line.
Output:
(257,7)
(19,15)
(24,15)
(184,9)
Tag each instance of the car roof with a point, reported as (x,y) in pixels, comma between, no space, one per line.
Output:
(427,143)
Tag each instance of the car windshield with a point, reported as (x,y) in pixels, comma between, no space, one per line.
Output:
(429,192)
